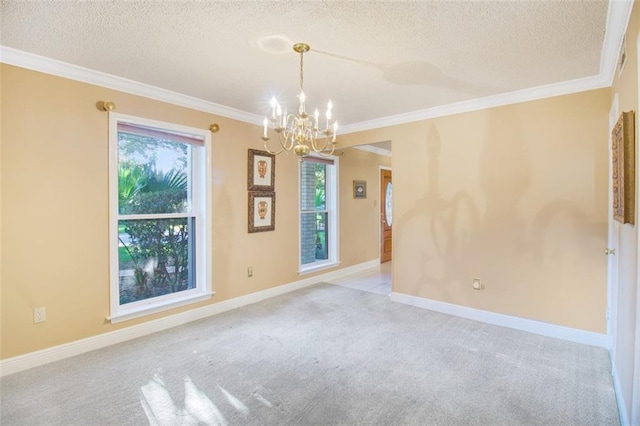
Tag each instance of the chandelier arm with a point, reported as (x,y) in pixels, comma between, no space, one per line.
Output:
(287,136)
(327,153)
(314,145)
(266,148)
(285,141)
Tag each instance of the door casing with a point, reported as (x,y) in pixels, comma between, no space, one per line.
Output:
(384,231)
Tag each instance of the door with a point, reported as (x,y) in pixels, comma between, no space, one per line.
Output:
(386,215)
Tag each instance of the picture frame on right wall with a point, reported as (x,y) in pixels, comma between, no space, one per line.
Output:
(359,189)
(623,167)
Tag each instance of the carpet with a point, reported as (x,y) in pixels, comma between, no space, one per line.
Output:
(323,355)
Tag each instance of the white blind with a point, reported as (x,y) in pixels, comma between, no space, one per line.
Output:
(311,159)
(158,134)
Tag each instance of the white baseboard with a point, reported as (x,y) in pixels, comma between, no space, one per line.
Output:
(56,353)
(622,406)
(531,326)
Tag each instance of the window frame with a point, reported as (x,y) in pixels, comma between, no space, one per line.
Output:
(201,210)
(332,183)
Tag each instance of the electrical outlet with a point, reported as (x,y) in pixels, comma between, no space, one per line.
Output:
(250,272)
(39,315)
(477,284)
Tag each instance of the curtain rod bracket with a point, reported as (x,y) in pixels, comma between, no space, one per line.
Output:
(106,106)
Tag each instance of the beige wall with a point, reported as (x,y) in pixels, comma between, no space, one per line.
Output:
(54,174)
(516,196)
(625,306)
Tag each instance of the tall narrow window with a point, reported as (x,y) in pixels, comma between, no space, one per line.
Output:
(159,207)
(318,218)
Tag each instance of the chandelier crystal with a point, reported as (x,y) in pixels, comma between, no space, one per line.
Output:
(300,133)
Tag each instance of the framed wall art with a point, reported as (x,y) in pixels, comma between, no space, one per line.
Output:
(623,167)
(262,211)
(262,171)
(359,189)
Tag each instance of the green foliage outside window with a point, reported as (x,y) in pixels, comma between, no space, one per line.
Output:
(156,251)
(321,204)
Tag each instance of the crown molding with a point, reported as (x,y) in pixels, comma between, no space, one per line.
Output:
(618,16)
(62,69)
(524,95)
(373,149)
(46,65)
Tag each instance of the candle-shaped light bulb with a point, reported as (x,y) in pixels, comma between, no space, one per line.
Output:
(284,118)
(316,114)
(335,130)
(274,103)
(265,122)
(278,110)
(302,99)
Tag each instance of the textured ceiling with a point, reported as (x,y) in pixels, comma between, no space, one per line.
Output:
(373,59)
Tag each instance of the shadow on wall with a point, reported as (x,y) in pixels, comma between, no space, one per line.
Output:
(484,229)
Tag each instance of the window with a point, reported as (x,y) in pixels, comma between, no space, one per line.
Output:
(160,216)
(318,213)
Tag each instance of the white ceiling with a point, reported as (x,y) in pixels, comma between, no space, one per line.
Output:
(373,59)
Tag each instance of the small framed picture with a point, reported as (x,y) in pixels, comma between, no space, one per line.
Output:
(262,171)
(359,189)
(262,211)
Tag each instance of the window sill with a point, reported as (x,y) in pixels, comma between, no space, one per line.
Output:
(157,307)
(318,266)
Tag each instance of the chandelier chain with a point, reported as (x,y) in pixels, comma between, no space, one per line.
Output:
(301,72)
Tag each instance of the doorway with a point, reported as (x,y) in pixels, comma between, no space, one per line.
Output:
(386,215)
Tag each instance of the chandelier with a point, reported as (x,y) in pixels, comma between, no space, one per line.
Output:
(300,132)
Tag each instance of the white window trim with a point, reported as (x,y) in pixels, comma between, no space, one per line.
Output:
(204,238)
(332,202)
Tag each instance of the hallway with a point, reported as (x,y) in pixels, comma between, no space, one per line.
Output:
(374,280)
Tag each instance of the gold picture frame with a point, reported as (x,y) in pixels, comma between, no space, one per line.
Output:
(623,168)
(359,189)
(262,171)
(262,211)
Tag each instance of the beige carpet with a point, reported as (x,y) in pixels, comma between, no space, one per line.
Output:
(325,355)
